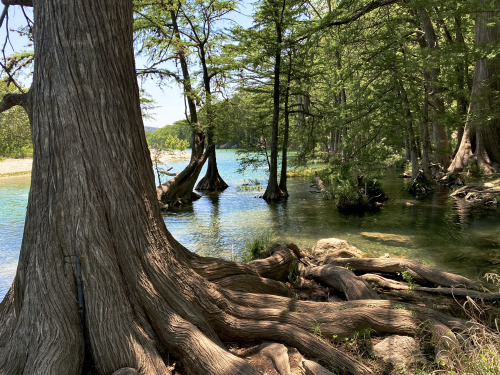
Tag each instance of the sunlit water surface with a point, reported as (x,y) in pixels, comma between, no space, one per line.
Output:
(219,224)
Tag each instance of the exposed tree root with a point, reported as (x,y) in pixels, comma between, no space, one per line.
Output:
(457,292)
(343,280)
(278,354)
(313,368)
(419,272)
(254,284)
(276,266)
(225,311)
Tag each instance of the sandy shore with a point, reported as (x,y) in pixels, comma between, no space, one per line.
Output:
(19,166)
(15,166)
(174,156)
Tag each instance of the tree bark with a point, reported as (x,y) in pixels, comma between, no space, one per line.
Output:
(273,192)
(440,137)
(212,181)
(179,190)
(481,137)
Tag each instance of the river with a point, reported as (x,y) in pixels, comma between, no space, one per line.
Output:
(430,230)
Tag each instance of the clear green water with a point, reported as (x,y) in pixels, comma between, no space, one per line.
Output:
(219,224)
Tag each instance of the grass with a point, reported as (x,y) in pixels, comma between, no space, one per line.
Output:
(306,172)
(478,352)
(256,245)
(14,173)
(251,185)
(316,328)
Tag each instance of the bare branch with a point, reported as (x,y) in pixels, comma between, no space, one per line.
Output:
(360,12)
(26,3)
(11,100)
(4,14)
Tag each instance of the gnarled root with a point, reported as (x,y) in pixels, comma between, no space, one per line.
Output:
(313,368)
(456,292)
(161,313)
(419,272)
(343,280)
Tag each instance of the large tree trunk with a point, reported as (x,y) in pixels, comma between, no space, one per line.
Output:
(481,138)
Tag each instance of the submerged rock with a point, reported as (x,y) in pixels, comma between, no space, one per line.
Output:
(336,247)
(389,238)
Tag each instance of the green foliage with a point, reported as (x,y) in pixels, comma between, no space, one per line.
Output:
(15,133)
(170,137)
(405,275)
(352,197)
(473,169)
(306,172)
(255,246)
(251,185)
(316,327)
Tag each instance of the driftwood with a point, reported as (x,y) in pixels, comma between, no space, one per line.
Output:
(320,186)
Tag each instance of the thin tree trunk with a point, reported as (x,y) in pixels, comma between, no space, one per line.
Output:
(212,181)
(273,191)
(461,72)
(439,114)
(409,129)
(426,144)
(284,154)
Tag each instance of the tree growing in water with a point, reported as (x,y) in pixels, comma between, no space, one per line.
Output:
(481,139)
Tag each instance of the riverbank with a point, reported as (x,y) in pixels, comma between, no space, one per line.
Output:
(14,167)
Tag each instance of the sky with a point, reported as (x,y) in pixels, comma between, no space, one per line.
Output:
(168,95)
